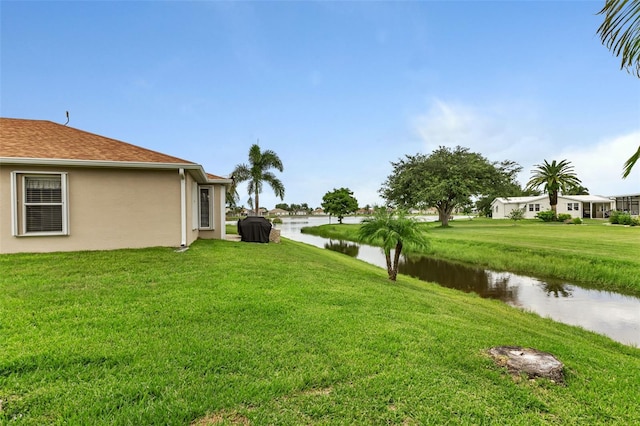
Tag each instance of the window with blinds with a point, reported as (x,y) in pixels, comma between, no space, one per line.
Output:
(43,203)
(39,204)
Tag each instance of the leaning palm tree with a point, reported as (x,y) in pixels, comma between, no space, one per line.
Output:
(555,177)
(628,165)
(393,232)
(257,172)
(620,32)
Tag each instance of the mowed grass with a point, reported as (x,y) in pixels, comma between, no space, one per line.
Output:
(241,333)
(594,254)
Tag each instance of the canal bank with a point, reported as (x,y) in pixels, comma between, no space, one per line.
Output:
(612,314)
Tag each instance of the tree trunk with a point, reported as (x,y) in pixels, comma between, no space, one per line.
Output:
(257,204)
(396,260)
(387,256)
(443,215)
(553,201)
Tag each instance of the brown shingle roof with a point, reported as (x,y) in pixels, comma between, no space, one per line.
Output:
(47,140)
(214,177)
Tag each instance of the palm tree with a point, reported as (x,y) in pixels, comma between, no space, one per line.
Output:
(576,190)
(394,232)
(628,165)
(258,172)
(620,32)
(555,177)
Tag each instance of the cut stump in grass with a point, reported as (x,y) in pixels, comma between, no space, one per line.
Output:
(532,362)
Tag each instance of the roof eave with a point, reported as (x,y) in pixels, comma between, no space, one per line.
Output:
(221,181)
(96,163)
(196,169)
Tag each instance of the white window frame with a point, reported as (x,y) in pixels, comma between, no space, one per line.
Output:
(19,221)
(569,207)
(537,207)
(530,207)
(211,216)
(195,206)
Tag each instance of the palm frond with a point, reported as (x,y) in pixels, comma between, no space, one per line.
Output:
(620,32)
(628,165)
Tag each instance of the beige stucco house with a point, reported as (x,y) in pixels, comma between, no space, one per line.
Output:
(64,189)
(582,206)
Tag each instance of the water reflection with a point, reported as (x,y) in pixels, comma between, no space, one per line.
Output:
(557,288)
(344,247)
(460,277)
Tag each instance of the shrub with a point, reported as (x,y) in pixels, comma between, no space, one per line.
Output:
(546,216)
(577,221)
(562,217)
(613,218)
(516,215)
(624,219)
(276,220)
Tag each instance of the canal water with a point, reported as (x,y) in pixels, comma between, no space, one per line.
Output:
(612,314)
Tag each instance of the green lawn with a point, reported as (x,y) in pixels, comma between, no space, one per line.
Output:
(594,254)
(240,333)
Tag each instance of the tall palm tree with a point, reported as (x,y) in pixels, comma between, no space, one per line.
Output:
(620,32)
(393,232)
(257,172)
(555,177)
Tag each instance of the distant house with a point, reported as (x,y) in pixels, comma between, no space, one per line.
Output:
(629,203)
(319,211)
(278,212)
(582,206)
(429,210)
(64,189)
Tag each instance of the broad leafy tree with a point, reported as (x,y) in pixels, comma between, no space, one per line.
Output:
(554,177)
(446,179)
(259,171)
(339,202)
(393,232)
(506,185)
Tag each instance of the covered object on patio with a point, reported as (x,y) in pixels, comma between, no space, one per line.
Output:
(254,229)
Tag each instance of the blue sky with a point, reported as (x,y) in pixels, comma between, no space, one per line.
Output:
(337,89)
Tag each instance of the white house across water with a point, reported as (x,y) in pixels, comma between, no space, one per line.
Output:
(582,206)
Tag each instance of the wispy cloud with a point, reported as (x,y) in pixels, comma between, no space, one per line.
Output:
(497,131)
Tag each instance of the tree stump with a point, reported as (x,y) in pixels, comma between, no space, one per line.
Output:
(532,362)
